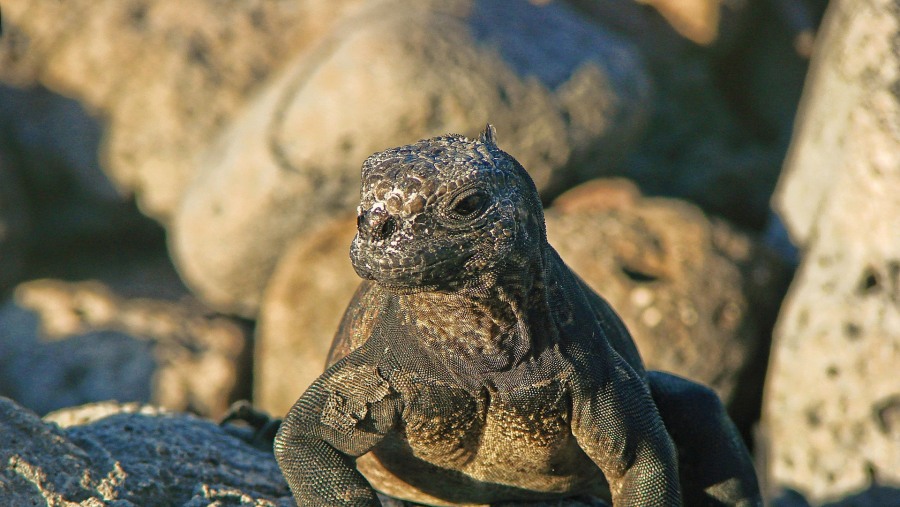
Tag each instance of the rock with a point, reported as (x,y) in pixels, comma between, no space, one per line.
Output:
(165,74)
(64,344)
(394,73)
(127,455)
(302,307)
(14,227)
(833,377)
(692,291)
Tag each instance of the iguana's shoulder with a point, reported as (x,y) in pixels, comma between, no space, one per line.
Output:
(592,316)
(359,320)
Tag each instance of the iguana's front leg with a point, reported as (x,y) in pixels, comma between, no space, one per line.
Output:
(342,415)
(617,425)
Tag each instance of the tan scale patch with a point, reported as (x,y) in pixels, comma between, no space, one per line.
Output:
(448,436)
(440,326)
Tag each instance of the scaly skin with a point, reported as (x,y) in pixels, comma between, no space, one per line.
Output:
(472,366)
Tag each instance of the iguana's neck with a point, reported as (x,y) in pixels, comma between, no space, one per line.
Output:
(491,328)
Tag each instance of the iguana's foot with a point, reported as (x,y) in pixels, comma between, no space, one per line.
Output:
(253,426)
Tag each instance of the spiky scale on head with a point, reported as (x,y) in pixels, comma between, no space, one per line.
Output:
(489,135)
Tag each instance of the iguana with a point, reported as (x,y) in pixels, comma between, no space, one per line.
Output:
(472,366)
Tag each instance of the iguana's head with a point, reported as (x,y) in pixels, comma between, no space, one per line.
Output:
(446,213)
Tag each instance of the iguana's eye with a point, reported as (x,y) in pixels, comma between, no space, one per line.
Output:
(468,205)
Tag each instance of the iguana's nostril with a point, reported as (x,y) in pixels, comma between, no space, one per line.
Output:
(376,224)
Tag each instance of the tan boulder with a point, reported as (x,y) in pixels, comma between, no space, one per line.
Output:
(832,404)
(302,307)
(692,290)
(560,91)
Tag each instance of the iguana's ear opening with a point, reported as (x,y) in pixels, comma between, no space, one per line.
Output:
(488,135)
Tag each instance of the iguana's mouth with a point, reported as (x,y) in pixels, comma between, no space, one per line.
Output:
(422,273)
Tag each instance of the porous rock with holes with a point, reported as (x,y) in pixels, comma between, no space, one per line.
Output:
(832,404)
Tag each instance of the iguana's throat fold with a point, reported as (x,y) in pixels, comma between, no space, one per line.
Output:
(483,331)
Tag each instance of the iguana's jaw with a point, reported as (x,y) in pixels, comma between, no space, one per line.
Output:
(406,269)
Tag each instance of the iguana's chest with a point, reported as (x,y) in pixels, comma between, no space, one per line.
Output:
(489,443)
(451,427)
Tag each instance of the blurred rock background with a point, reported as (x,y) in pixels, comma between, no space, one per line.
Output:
(178,181)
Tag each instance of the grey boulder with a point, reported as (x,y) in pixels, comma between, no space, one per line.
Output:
(130,455)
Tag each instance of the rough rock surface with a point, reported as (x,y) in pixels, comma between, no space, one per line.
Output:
(833,378)
(128,455)
(418,69)
(695,294)
(63,344)
(165,74)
